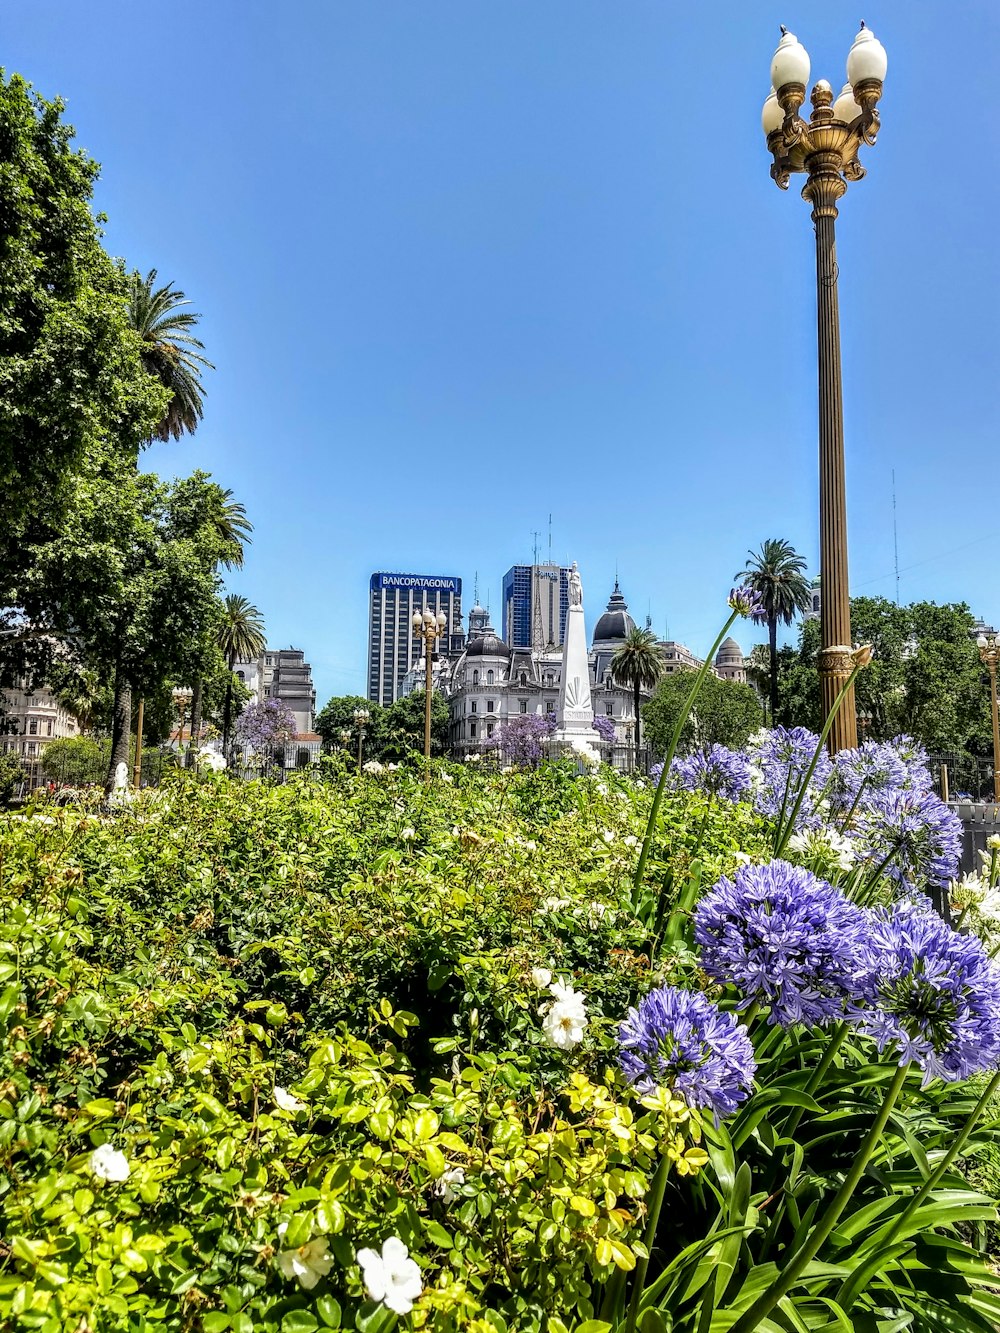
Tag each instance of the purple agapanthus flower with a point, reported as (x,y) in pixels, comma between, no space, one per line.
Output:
(680,1040)
(719,771)
(878,766)
(911,833)
(783,938)
(655,772)
(747,601)
(914,756)
(930,993)
(782,758)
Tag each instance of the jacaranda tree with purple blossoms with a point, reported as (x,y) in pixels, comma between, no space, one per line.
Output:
(264,728)
(522,740)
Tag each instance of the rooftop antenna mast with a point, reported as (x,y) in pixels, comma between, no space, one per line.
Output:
(895,534)
(550,539)
(534,557)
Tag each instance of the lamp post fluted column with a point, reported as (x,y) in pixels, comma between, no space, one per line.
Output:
(823,188)
(826,149)
(989,653)
(429,627)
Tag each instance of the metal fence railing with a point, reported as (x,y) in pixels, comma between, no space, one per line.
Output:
(962,777)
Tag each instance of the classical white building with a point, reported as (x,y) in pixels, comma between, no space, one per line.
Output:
(492,683)
(33,717)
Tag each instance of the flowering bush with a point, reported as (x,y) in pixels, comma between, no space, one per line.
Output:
(363,1051)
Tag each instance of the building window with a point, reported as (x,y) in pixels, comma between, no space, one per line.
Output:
(524,679)
(475,677)
(32,747)
(472,730)
(489,729)
(475,706)
(489,677)
(48,730)
(524,705)
(240,676)
(32,726)
(550,706)
(489,705)
(609,709)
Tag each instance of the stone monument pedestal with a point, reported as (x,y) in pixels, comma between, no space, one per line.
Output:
(575,711)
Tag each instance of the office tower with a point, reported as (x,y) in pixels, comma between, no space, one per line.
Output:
(535,602)
(392,645)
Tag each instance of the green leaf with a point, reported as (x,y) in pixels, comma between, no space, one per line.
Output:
(329,1311)
(437,1235)
(299,1321)
(215,1321)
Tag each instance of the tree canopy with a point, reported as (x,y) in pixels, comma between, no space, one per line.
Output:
(925,677)
(71,371)
(726,713)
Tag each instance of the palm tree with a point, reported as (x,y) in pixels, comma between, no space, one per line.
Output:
(233,529)
(241,638)
(172,354)
(777,573)
(638,663)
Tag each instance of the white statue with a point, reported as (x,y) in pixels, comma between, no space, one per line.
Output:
(575,586)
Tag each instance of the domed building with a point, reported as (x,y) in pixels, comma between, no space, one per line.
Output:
(479,684)
(730,663)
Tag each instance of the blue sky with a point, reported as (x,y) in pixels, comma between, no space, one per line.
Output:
(466,263)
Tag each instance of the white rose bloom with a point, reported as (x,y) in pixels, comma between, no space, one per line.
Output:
(408,834)
(373,766)
(445,1188)
(392,768)
(608,836)
(308,1263)
(531,845)
(285,1101)
(541,977)
(630,840)
(601,789)
(448,780)
(507,768)
(108,1163)
(391,1277)
(553,904)
(565,1018)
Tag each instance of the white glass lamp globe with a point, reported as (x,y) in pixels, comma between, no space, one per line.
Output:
(866,59)
(845,108)
(442,620)
(418,621)
(772,117)
(790,62)
(981,641)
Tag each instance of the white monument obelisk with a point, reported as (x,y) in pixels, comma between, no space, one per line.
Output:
(574,711)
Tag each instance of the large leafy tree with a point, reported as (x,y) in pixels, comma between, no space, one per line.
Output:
(638,665)
(726,713)
(400,727)
(337,715)
(240,637)
(131,581)
(777,574)
(72,378)
(925,677)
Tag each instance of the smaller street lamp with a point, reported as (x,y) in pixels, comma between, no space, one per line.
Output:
(429,627)
(989,652)
(361,719)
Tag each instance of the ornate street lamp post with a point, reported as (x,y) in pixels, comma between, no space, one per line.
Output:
(989,652)
(428,627)
(826,149)
(361,719)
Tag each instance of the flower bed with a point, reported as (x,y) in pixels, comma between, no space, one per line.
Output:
(361,1051)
